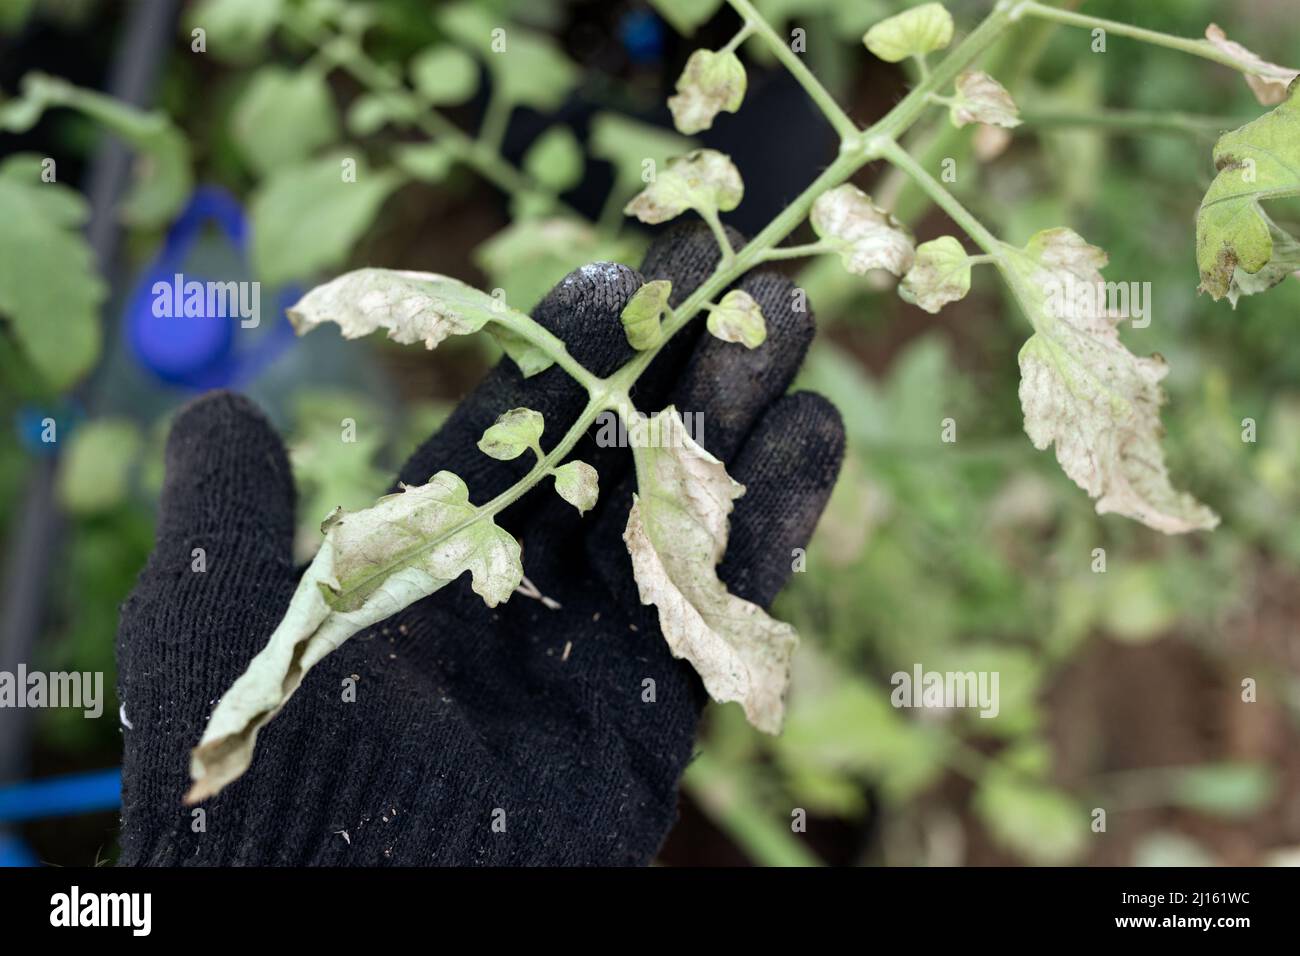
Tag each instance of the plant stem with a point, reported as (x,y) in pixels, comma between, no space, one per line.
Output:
(840,120)
(1137,121)
(1202,48)
(945,200)
(795,252)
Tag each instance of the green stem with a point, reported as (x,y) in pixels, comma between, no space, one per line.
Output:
(1202,48)
(796,252)
(840,120)
(1136,121)
(495,120)
(944,200)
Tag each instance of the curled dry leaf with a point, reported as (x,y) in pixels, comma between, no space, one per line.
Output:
(704,180)
(710,84)
(913,32)
(865,236)
(371,564)
(982,99)
(738,318)
(641,316)
(940,274)
(512,434)
(676,534)
(1268,81)
(1084,391)
(579,484)
(1236,242)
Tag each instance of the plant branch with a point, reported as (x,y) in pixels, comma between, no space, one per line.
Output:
(1134,121)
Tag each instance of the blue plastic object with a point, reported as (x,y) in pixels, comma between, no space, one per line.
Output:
(201,352)
(642,36)
(61,796)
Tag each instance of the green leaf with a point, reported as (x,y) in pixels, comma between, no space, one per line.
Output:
(514,433)
(710,84)
(444,75)
(282,117)
(1226,789)
(162,178)
(738,318)
(641,315)
(50,291)
(704,180)
(865,236)
(1038,822)
(371,564)
(1260,161)
(1084,391)
(685,15)
(555,160)
(578,484)
(529,256)
(629,145)
(236,29)
(523,353)
(676,534)
(427,162)
(913,32)
(982,99)
(94,475)
(527,67)
(371,112)
(940,274)
(307,217)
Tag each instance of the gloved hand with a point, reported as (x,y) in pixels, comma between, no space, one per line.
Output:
(528,717)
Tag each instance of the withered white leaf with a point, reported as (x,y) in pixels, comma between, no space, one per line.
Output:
(578,484)
(371,564)
(413,307)
(865,236)
(1084,391)
(711,83)
(704,180)
(738,318)
(1268,81)
(676,534)
(982,99)
(940,274)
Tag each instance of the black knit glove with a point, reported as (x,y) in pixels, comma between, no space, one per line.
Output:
(526,717)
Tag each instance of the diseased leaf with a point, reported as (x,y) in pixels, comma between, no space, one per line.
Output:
(641,315)
(711,83)
(1260,161)
(1284,261)
(982,99)
(1084,391)
(307,216)
(704,180)
(939,275)
(50,290)
(738,318)
(512,434)
(412,306)
(578,484)
(371,564)
(913,32)
(865,236)
(676,534)
(444,75)
(1268,81)
(283,116)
